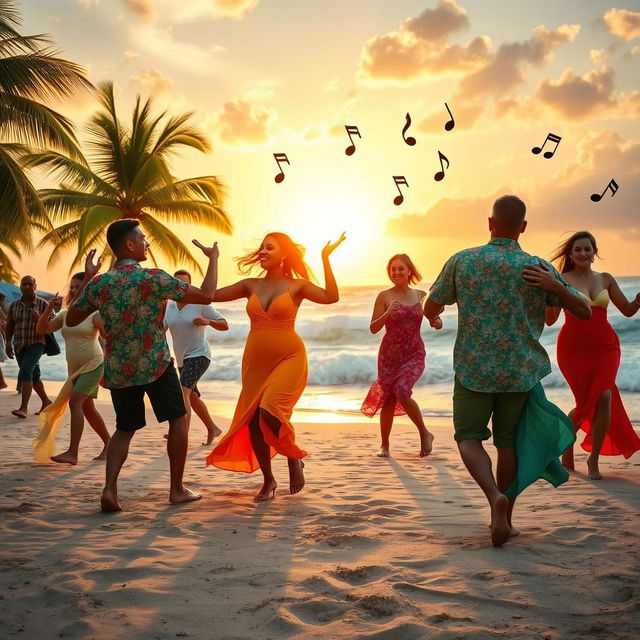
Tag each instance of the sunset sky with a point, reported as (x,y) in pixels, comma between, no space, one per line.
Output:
(286,76)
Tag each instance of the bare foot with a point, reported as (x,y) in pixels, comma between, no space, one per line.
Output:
(19,413)
(514,532)
(500,529)
(109,502)
(383,453)
(4,385)
(186,495)
(426,443)
(267,492)
(103,454)
(43,407)
(594,471)
(65,458)
(296,476)
(567,460)
(212,434)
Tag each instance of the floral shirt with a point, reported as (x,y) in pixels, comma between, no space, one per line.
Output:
(129,299)
(500,317)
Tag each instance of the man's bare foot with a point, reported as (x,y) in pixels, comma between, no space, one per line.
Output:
(186,495)
(513,532)
(567,460)
(212,434)
(426,443)
(43,407)
(594,471)
(500,529)
(109,502)
(296,476)
(103,454)
(267,492)
(65,458)
(19,413)
(383,453)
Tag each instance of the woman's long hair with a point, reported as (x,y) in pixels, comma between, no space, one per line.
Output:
(293,262)
(414,274)
(80,278)
(563,251)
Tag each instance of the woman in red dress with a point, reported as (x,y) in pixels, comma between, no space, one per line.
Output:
(401,355)
(589,356)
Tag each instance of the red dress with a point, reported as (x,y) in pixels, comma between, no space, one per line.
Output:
(400,360)
(589,356)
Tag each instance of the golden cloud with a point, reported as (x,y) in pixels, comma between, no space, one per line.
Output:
(153,82)
(241,122)
(143,8)
(623,23)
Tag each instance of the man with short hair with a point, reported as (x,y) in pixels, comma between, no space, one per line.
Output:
(27,344)
(137,358)
(501,293)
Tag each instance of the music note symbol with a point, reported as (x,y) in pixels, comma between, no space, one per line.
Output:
(410,140)
(550,137)
(451,123)
(440,174)
(398,200)
(280,157)
(613,185)
(351,130)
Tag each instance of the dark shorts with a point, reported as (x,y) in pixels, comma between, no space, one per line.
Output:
(472,410)
(192,370)
(28,359)
(164,393)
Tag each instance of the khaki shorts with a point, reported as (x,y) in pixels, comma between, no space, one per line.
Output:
(472,410)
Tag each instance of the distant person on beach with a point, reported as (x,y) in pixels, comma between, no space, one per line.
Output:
(27,343)
(3,328)
(274,363)
(187,324)
(85,369)
(589,356)
(137,358)
(498,358)
(401,356)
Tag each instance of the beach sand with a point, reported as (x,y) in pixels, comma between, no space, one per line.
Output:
(372,548)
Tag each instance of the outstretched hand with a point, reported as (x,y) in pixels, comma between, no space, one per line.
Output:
(211,252)
(330,247)
(90,269)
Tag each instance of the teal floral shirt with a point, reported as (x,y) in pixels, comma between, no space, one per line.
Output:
(500,317)
(129,299)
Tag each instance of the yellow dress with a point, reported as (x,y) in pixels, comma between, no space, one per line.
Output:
(274,375)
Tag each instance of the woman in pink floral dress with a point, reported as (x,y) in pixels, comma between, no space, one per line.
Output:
(401,356)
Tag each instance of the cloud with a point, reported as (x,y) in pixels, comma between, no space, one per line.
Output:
(507,69)
(177,11)
(153,82)
(635,50)
(419,48)
(232,8)
(88,3)
(143,8)
(241,122)
(623,23)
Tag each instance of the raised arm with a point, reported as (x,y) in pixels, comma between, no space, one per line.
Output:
(241,289)
(45,323)
(75,315)
(627,308)
(330,293)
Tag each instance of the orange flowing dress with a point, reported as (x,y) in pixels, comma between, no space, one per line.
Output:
(274,375)
(589,357)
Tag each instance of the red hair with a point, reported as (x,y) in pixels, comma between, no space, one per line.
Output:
(414,274)
(292,263)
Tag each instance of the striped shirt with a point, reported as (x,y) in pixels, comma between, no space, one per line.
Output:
(24,326)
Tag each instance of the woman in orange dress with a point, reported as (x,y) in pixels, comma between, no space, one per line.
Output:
(589,355)
(274,363)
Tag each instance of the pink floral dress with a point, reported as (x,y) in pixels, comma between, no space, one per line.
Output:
(400,360)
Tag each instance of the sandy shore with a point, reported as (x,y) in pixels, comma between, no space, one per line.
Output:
(372,548)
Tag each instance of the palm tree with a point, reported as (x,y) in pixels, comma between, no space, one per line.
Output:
(128,176)
(30,75)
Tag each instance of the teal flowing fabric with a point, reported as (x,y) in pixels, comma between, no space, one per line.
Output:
(544,432)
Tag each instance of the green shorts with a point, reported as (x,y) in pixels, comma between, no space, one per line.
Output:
(472,410)
(89,382)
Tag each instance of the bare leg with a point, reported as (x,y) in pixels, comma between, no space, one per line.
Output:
(386,422)
(3,384)
(38,387)
(505,473)
(116,455)
(200,409)
(97,423)
(599,428)
(413,411)
(261,449)
(567,456)
(26,389)
(70,456)
(478,464)
(177,443)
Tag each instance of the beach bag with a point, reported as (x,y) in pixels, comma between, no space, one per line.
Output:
(51,346)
